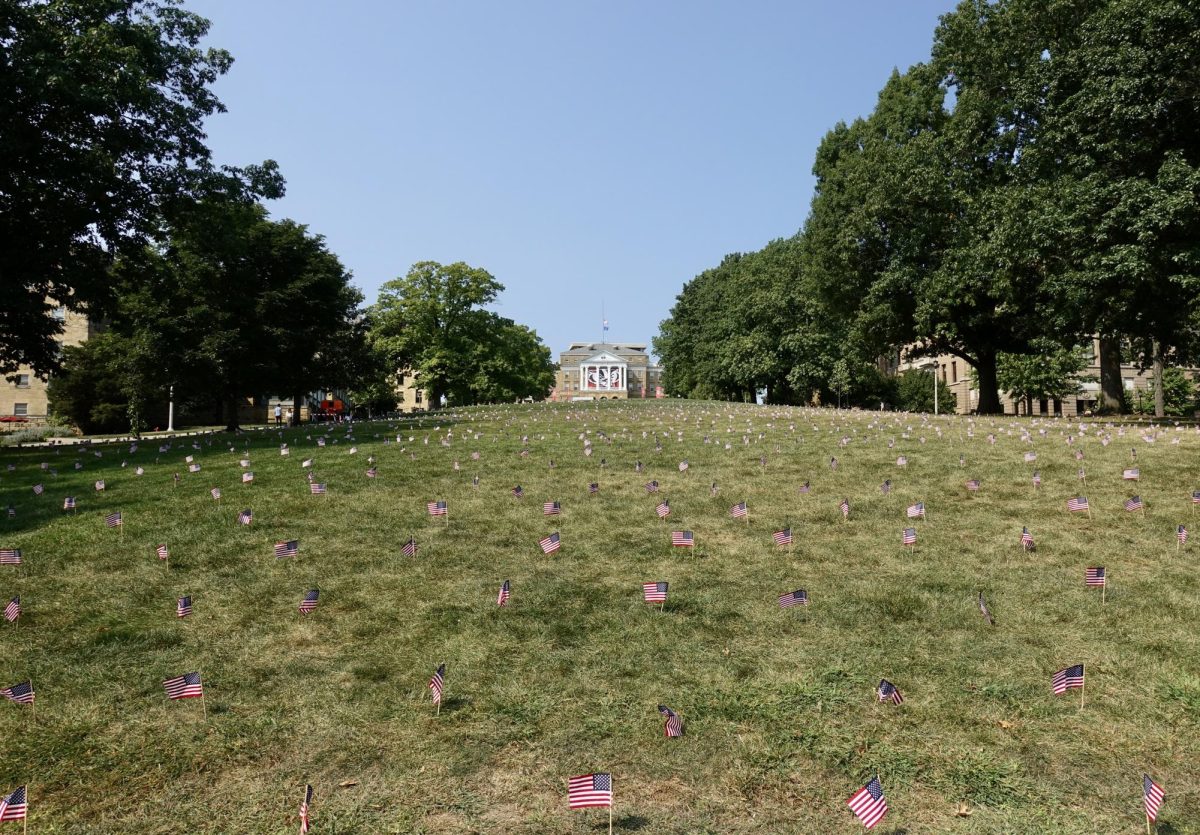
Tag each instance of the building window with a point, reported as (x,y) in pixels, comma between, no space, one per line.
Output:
(954,371)
(1128,381)
(401,379)
(418,398)
(20,409)
(22,381)
(400,397)
(59,314)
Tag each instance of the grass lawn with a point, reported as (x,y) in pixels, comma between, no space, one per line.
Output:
(781,719)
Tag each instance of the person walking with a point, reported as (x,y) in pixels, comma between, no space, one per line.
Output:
(278,414)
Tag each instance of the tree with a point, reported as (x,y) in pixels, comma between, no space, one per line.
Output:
(103,105)
(839,379)
(914,392)
(1054,372)
(1179,395)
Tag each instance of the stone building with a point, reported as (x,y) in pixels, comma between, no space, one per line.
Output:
(23,399)
(606,371)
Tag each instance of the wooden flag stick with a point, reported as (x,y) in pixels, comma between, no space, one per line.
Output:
(1081,691)
(610,789)
(1148,825)
(203,703)
(1104,588)
(25,819)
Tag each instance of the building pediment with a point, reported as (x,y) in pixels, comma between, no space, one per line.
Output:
(605,357)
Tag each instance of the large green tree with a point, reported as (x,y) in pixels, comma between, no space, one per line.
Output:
(102,104)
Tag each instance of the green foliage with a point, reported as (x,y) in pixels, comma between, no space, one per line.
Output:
(97,385)
(1179,394)
(1055,372)
(839,379)
(914,392)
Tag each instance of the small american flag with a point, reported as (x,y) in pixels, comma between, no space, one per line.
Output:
(186,686)
(505,593)
(1180,534)
(372,472)
(306,463)
(10,556)
(844,507)
(139,471)
(654,592)
(1082,474)
(868,803)
(805,487)
(1026,539)
(1131,474)
(551,509)
(113,520)
(663,509)
(1037,479)
(189,459)
(518,492)
(901,461)
(13,610)
(1068,678)
(316,488)
(246,517)
(799,597)
(1196,497)
(550,544)
(651,486)
(290,548)
(589,790)
(310,601)
(886,487)
(69,503)
(410,548)
(193,468)
(909,536)
(973,485)
(438,683)
(37,489)
(247,477)
(162,552)
(916,511)
(21,693)
(637,468)
(216,493)
(593,488)
(1152,794)
(833,463)
(1030,457)
(888,692)
(304,807)
(1134,503)
(783,537)
(713,490)
(12,512)
(183,606)
(436,508)
(15,806)
(100,486)
(1094,576)
(673,727)
(985,611)
(682,539)
(683,465)
(1078,504)
(739,510)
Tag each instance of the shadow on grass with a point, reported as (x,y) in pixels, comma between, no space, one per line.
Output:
(626,823)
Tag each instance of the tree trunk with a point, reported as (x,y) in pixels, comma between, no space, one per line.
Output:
(1160,405)
(297,399)
(989,389)
(1112,389)
(231,415)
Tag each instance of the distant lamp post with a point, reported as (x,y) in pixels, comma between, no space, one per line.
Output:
(171,411)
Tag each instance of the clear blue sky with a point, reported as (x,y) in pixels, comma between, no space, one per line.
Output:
(583,152)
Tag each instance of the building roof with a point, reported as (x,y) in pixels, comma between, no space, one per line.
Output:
(612,347)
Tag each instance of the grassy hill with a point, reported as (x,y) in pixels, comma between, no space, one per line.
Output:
(781,718)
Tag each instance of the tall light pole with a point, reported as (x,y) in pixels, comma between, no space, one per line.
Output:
(935,387)
(171,411)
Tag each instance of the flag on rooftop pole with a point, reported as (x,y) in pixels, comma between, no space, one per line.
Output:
(1152,798)
(985,611)
(868,803)
(437,685)
(10,556)
(799,597)
(15,806)
(305,804)
(309,603)
(673,726)
(13,610)
(550,544)
(888,692)
(682,539)
(505,593)
(183,606)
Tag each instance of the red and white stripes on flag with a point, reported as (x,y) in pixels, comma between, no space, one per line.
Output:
(654,592)
(868,803)
(437,683)
(589,790)
(1079,504)
(505,593)
(186,686)
(436,508)
(1152,795)
(682,539)
(13,610)
(15,806)
(673,726)
(550,544)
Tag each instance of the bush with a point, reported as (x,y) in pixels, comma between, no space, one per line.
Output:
(34,434)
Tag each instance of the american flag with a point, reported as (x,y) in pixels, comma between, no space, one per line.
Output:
(139,471)
(1134,503)
(1196,497)
(13,610)
(1077,504)
(682,539)
(21,693)
(654,592)
(310,601)
(901,461)
(844,507)
(1030,456)
(805,488)
(162,552)
(916,511)
(287,549)
(1131,474)
(1026,539)
(868,803)
(37,489)
(113,520)
(316,488)
(372,472)
(247,477)
(589,790)
(518,492)
(1067,679)
(505,593)
(833,463)
(739,510)
(985,611)
(436,508)
(1180,534)
(651,486)
(1152,795)
(216,493)
(245,517)
(888,692)
(886,487)
(683,465)
(69,503)
(973,485)
(193,468)
(673,727)
(593,488)
(410,548)
(183,606)
(189,459)
(1082,474)
(783,537)
(551,508)
(1037,479)
(550,544)
(320,442)
(12,512)
(100,486)
(15,806)
(306,463)
(909,536)
(1094,576)
(637,468)
(438,683)
(713,490)
(799,597)
(10,556)
(186,686)
(663,509)
(304,806)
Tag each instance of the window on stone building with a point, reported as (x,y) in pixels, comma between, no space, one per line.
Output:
(417,398)
(59,313)
(954,371)
(22,381)
(20,409)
